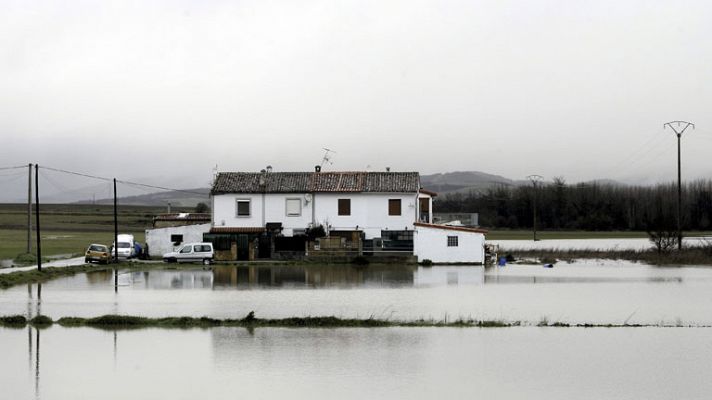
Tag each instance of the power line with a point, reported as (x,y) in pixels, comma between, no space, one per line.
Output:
(18,167)
(122,181)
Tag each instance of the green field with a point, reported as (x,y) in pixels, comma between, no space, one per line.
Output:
(70,228)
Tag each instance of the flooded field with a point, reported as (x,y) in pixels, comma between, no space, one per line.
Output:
(611,244)
(409,363)
(598,292)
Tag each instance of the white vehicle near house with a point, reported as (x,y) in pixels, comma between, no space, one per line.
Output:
(191,252)
(126,246)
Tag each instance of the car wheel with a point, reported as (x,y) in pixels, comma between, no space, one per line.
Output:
(206,261)
(86,261)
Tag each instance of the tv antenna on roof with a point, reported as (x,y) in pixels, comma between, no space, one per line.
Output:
(327,157)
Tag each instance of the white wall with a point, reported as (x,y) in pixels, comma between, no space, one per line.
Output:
(369,211)
(431,244)
(159,239)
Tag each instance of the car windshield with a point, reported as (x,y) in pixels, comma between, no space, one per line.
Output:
(123,245)
(97,248)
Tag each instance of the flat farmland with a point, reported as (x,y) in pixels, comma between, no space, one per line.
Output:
(69,228)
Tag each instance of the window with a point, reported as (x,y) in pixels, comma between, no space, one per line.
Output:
(201,248)
(177,239)
(344,206)
(243,208)
(294,207)
(186,249)
(452,241)
(394,206)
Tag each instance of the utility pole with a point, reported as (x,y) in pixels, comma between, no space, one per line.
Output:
(116,242)
(29,208)
(37,216)
(535,179)
(679,127)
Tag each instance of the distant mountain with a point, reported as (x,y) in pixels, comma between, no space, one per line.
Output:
(464,181)
(177,198)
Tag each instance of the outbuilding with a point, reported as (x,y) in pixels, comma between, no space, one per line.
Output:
(449,244)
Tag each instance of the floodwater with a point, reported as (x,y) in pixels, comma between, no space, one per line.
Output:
(609,244)
(592,291)
(381,363)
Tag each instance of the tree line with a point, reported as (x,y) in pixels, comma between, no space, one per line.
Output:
(586,206)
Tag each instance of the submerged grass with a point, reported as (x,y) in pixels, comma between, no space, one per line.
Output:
(120,322)
(250,321)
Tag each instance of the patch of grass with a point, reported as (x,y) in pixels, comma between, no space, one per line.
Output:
(18,321)
(115,322)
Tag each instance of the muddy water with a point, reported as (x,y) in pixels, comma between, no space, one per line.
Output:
(409,363)
(585,292)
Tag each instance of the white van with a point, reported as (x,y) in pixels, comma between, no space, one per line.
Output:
(126,246)
(191,252)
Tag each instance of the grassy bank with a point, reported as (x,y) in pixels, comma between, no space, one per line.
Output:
(116,322)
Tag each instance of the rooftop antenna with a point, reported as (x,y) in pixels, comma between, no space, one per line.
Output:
(327,157)
(215,175)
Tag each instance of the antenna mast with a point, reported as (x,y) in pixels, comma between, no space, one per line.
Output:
(327,157)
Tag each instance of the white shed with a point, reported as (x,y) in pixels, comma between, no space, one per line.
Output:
(449,244)
(163,240)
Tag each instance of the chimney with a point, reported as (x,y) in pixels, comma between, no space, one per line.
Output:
(388,169)
(317,168)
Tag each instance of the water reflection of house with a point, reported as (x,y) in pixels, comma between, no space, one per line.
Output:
(313,275)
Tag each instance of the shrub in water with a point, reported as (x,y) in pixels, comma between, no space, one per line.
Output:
(41,320)
(426,262)
(360,260)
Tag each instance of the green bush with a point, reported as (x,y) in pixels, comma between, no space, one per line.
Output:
(426,263)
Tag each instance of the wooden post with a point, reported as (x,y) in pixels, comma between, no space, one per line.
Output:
(29,208)
(37,217)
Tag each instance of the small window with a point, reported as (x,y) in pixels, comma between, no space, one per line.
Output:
(452,241)
(243,208)
(177,239)
(185,249)
(294,207)
(394,206)
(344,206)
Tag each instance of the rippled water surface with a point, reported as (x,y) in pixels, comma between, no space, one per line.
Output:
(581,292)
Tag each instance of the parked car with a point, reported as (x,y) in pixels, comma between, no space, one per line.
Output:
(126,246)
(191,252)
(97,252)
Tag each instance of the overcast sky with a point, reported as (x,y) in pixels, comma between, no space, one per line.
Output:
(165,90)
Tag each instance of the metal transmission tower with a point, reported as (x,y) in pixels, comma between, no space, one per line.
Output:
(679,127)
(535,179)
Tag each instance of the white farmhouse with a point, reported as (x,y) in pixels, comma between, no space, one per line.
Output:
(369,202)
(258,214)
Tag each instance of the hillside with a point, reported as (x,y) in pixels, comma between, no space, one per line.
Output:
(185,198)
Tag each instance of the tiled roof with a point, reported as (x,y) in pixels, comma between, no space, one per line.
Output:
(227,229)
(183,217)
(305,182)
(451,228)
